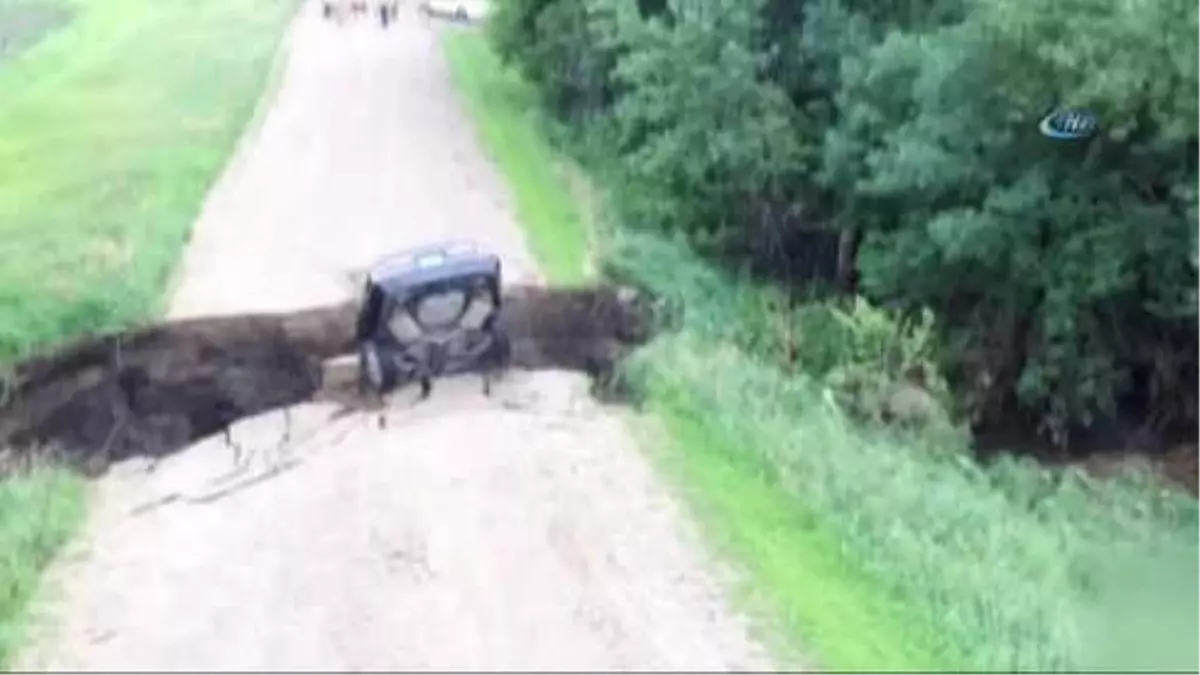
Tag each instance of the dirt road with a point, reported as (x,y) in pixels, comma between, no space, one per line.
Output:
(520,532)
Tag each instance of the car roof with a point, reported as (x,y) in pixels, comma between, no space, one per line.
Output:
(401,271)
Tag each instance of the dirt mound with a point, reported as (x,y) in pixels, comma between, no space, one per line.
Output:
(1175,467)
(155,390)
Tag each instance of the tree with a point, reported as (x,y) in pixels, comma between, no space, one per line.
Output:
(1063,273)
(1068,267)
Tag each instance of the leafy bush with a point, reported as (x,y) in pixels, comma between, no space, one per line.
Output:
(878,366)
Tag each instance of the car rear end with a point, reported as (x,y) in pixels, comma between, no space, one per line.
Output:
(436,310)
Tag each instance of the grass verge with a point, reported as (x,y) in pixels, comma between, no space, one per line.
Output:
(38,513)
(506,116)
(111,131)
(872,550)
(817,611)
(812,592)
(112,128)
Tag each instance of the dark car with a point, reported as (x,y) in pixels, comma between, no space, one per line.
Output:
(431,311)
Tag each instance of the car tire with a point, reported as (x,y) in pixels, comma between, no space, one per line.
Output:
(499,352)
(460,14)
(375,372)
(327,10)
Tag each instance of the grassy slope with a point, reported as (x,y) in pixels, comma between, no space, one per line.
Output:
(25,22)
(111,130)
(38,513)
(502,108)
(841,616)
(873,552)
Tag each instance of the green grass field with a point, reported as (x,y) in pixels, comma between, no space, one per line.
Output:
(115,118)
(112,128)
(860,550)
(38,514)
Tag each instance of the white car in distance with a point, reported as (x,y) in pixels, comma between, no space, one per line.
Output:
(459,10)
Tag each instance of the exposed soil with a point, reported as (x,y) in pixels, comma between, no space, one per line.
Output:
(1105,452)
(521,531)
(154,391)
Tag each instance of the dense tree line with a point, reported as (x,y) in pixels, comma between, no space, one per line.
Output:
(1063,273)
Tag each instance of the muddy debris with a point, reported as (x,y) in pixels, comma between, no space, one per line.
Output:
(155,390)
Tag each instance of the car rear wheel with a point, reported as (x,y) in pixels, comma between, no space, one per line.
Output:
(375,371)
(460,14)
(501,352)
